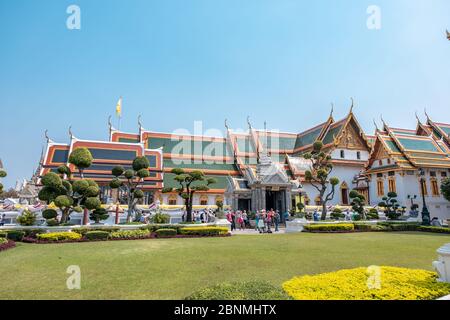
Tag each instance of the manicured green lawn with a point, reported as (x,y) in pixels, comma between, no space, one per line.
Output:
(173,268)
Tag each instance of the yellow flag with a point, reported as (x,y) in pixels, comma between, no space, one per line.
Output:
(119,108)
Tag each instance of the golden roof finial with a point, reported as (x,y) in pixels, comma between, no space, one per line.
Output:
(426,114)
(417,117)
(248,122)
(226,124)
(70,132)
(351,107)
(140,122)
(46,136)
(332,110)
(376,126)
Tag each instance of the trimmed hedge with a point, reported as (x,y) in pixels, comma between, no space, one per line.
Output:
(130,234)
(3,241)
(434,229)
(97,235)
(251,290)
(84,230)
(15,235)
(3,234)
(329,227)
(154,227)
(400,226)
(203,231)
(161,233)
(59,236)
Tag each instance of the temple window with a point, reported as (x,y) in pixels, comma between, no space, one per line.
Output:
(172,200)
(380,162)
(432,173)
(203,200)
(342,154)
(379,175)
(380,188)
(423,188)
(219,198)
(358,155)
(391,173)
(388,161)
(434,188)
(443,174)
(307,201)
(318,201)
(392,185)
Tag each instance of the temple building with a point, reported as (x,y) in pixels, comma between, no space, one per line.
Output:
(409,161)
(260,168)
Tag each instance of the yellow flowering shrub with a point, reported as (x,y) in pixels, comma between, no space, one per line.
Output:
(59,236)
(373,283)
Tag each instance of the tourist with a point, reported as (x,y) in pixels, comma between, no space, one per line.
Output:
(245,217)
(257,217)
(276,220)
(286,218)
(183,216)
(261,223)
(269,221)
(2,220)
(231,217)
(240,221)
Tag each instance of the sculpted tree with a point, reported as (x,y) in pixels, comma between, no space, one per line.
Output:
(130,182)
(445,188)
(189,184)
(357,203)
(2,175)
(319,175)
(71,196)
(391,206)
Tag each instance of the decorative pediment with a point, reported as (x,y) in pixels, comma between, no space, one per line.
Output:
(351,139)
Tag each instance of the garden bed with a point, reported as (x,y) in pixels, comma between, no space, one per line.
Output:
(7,245)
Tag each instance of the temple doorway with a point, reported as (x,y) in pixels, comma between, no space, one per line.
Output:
(275,200)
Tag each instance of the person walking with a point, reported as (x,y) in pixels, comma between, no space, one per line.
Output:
(245,217)
(257,217)
(261,222)
(269,221)
(276,220)
(240,221)
(231,219)
(2,220)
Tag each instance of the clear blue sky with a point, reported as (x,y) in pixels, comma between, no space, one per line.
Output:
(179,61)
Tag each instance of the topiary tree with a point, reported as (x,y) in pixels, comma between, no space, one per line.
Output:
(391,206)
(80,158)
(130,182)
(48,214)
(319,175)
(99,215)
(3,174)
(189,184)
(358,201)
(71,196)
(445,188)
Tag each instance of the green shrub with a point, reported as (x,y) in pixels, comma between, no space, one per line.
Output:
(433,229)
(363,226)
(97,235)
(32,233)
(3,234)
(166,233)
(400,226)
(330,227)
(337,214)
(160,218)
(15,235)
(59,236)
(3,241)
(49,214)
(52,222)
(84,230)
(154,227)
(27,218)
(252,290)
(372,214)
(99,214)
(203,231)
(129,234)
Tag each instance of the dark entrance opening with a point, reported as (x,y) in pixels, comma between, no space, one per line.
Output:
(244,204)
(274,200)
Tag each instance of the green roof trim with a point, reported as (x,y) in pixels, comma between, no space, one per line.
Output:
(190,147)
(204,165)
(392,146)
(308,138)
(329,137)
(128,140)
(419,145)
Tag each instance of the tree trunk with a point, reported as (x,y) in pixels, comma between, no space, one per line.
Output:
(324,210)
(85,217)
(65,215)
(130,209)
(188,205)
